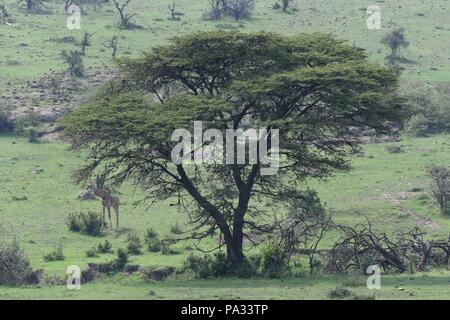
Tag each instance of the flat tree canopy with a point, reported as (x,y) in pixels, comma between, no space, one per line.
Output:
(311,88)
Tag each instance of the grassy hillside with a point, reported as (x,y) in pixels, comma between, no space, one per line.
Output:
(29,50)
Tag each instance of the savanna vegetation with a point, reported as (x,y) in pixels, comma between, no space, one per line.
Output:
(88,177)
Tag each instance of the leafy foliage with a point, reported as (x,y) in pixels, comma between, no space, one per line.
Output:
(14,265)
(310,87)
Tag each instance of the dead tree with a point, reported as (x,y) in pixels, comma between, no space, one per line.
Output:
(302,234)
(125,19)
(409,250)
(172,11)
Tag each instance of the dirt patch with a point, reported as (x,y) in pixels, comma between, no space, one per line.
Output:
(396,200)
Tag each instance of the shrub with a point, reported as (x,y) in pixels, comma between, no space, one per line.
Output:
(417,126)
(90,223)
(216,266)
(5,124)
(273,262)
(113,266)
(133,244)
(166,249)
(55,255)
(105,247)
(14,265)
(73,222)
(92,252)
(199,266)
(340,293)
(74,62)
(150,234)
(156,273)
(428,106)
(27,126)
(121,260)
(440,187)
(154,245)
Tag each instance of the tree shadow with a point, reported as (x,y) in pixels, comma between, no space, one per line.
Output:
(120,231)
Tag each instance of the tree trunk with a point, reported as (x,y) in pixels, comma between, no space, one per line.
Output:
(235,253)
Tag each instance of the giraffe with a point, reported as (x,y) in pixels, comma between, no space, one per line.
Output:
(108,200)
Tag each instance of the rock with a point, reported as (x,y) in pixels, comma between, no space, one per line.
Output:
(38,171)
(86,195)
(48,115)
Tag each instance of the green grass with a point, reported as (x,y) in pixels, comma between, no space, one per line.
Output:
(433,286)
(38,223)
(426,25)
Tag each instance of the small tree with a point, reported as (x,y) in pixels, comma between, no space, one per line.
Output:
(85,42)
(440,186)
(125,19)
(238,9)
(113,44)
(75,62)
(395,40)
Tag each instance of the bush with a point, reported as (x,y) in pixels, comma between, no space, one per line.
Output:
(154,245)
(90,223)
(340,293)
(74,62)
(113,266)
(150,234)
(92,252)
(199,266)
(55,255)
(428,106)
(121,260)
(166,248)
(133,244)
(417,126)
(156,273)
(104,247)
(273,262)
(440,187)
(14,265)
(27,126)
(216,266)
(5,124)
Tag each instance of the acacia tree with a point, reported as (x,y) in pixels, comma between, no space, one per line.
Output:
(395,40)
(309,87)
